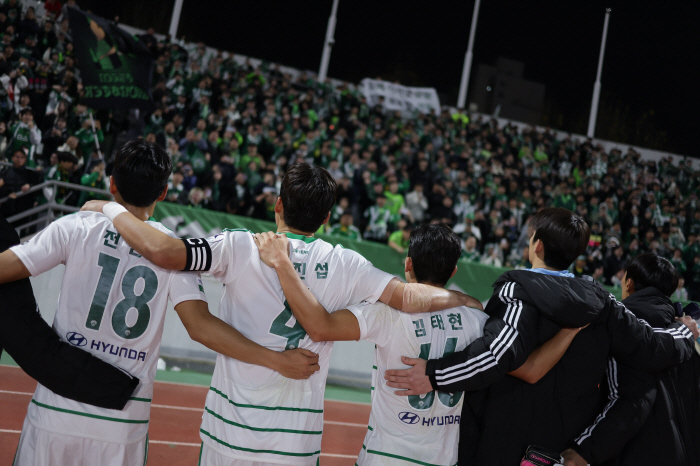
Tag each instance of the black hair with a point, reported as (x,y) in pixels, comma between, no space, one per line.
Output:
(648,269)
(308,194)
(434,250)
(563,233)
(141,171)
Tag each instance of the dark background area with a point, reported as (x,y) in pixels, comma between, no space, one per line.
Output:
(649,91)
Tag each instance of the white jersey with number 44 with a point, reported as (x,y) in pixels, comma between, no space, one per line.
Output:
(254,413)
(113,305)
(420,429)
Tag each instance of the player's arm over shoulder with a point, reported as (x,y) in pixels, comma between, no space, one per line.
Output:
(161,249)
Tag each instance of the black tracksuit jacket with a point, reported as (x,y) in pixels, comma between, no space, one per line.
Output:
(647,419)
(526,310)
(62,368)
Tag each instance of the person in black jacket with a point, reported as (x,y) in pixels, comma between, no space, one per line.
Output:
(528,308)
(63,368)
(649,419)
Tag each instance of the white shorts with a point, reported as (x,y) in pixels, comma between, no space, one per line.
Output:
(210,457)
(38,447)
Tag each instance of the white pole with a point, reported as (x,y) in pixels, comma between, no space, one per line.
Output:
(175,19)
(466,71)
(330,40)
(596,86)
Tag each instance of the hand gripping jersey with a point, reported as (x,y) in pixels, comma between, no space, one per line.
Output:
(254,413)
(112,304)
(421,429)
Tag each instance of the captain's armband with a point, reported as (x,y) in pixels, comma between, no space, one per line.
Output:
(198,255)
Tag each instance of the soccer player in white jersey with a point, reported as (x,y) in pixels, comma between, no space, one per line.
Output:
(113,304)
(251,414)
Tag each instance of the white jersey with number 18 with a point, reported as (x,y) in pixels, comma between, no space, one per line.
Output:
(420,429)
(251,412)
(113,305)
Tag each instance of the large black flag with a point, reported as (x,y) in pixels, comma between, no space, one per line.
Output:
(115,67)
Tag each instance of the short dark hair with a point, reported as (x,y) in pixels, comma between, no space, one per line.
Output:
(141,171)
(308,194)
(564,234)
(648,269)
(434,250)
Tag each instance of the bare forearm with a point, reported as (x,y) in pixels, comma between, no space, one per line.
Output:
(418,297)
(157,247)
(544,358)
(312,316)
(220,337)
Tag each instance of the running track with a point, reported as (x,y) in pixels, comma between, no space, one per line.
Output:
(176,414)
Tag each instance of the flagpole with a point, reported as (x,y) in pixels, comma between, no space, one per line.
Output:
(330,40)
(175,19)
(596,87)
(466,71)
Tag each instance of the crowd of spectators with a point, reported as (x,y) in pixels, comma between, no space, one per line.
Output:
(232,129)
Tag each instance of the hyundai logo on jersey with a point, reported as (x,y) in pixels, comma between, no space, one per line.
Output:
(409,418)
(76,339)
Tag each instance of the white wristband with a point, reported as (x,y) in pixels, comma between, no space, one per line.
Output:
(112,209)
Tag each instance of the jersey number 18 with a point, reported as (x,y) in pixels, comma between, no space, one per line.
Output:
(131,300)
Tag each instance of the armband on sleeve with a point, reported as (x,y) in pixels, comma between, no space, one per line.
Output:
(198,255)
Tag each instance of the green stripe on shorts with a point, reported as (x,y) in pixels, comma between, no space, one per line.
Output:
(273,452)
(78,413)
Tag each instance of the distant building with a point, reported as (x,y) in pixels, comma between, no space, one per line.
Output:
(503,85)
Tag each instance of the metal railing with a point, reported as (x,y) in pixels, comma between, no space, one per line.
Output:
(52,209)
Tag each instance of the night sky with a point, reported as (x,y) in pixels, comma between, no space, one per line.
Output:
(647,66)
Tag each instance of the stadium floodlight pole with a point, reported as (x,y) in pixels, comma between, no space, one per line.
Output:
(596,87)
(175,19)
(466,71)
(330,40)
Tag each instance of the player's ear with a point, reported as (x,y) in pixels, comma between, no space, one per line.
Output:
(454,272)
(112,186)
(408,265)
(163,194)
(328,217)
(278,206)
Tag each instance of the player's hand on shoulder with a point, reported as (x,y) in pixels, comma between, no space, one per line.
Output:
(298,363)
(470,301)
(411,381)
(691,324)
(93,206)
(273,248)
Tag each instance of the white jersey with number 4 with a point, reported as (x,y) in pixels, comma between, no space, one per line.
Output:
(251,412)
(113,305)
(420,429)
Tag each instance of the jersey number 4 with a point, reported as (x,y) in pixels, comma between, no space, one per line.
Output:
(427,400)
(131,300)
(293,334)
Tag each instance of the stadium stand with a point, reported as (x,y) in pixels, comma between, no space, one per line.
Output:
(233,127)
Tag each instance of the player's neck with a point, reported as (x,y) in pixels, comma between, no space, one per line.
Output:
(142,213)
(538,263)
(283,228)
